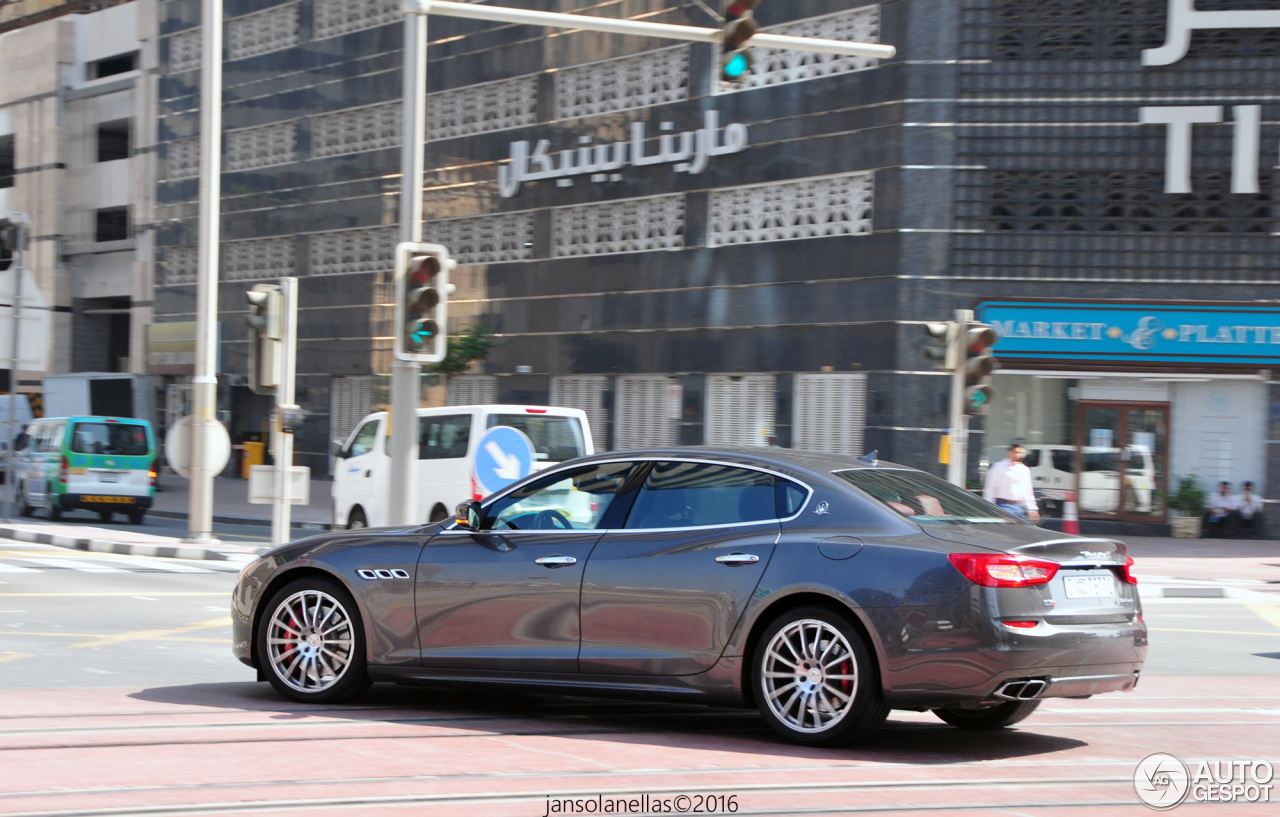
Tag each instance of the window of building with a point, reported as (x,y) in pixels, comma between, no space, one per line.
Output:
(119,64)
(6,160)
(113,140)
(112,224)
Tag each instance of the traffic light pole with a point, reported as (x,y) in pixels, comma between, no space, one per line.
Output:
(205,380)
(282,503)
(21,235)
(959,421)
(406,375)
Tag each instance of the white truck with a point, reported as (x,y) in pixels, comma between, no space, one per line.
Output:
(447,439)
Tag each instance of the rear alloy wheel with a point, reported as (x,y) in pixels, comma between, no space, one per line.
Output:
(988,717)
(814,680)
(356,520)
(311,643)
(136,517)
(105,516)
(55,513)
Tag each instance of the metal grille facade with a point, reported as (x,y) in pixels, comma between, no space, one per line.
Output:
(641,413)
(586,392)
(829,413)
(740,409)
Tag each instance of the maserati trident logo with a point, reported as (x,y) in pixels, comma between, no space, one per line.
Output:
(822,509)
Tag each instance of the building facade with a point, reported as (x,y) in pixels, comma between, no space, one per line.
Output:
(77,124)
(691,263)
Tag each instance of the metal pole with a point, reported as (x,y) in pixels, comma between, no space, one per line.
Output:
(19,262)
(282,502)
(205,382)
(501,14)
(406,376)
(957,467)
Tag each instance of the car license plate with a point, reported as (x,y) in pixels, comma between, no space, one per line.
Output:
(107,476)
(1089,587)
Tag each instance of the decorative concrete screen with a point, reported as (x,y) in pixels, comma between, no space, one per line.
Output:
(367,249)
(782,211)
(334,17)
(494,239)
(489,106)
(355,130)
(184,51)
(262,146)
(629,225)
(639,81)
(262,31)
(183,161)
(180,265)
(774,66)
(257,258)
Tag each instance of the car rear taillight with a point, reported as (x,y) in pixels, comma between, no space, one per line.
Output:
(475,489)
(535,411)
(1021,625)
(64,471)
(154,474)
(1003,570)
(1126,572)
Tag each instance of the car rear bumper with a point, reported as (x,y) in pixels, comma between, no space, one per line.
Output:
(103,502)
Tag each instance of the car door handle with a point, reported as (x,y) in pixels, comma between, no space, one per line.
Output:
(738,559)
(556,561)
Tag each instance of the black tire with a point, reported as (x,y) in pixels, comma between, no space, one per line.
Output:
(438,514)
(357,520)
(105,516)
(55,513)
(350,681)
(991,717)
(136,517)
(863,710)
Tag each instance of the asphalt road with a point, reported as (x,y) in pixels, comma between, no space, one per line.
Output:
(118,693)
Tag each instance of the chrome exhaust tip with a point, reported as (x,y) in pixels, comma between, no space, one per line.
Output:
(1024,689)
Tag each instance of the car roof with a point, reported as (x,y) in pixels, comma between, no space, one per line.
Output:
(789,459)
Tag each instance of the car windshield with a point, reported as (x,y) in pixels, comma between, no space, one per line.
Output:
(926,499)
(554,439)
(122,439)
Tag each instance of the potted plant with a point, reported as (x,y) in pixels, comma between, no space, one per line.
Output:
(1188,503)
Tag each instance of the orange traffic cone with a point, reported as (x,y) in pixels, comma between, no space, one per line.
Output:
(1070,519)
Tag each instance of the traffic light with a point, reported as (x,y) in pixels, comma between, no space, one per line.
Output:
(978,367)
(739,27)
(946,355)
(422,300)
(265,307)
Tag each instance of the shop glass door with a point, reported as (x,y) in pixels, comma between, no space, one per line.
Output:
(1121,457)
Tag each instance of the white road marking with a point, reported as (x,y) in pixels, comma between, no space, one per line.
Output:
(73,564)
(6,568)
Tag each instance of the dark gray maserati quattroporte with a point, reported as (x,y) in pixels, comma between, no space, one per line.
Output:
(823,590)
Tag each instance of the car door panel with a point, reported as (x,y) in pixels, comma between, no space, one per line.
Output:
(658,603)
(506,597)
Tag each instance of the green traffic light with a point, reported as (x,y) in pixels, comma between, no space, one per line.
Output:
(737,65)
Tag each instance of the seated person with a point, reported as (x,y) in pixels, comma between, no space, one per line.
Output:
(1249,512)
(1220,515)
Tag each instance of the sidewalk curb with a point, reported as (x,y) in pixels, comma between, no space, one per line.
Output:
(118,548)
(241,520)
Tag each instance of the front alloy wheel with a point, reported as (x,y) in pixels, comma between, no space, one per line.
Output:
(815,682)
(312,643)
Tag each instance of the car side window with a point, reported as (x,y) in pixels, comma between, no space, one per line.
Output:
(443,438)
(1064,461)
(42,439)
(790,498)
(364,439)
(1032,459)
(576,499)
(696,494)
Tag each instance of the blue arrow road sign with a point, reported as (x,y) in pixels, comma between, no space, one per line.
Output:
(504,456)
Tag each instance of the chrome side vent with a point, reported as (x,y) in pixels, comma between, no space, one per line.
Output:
(1024,689)
(374,575)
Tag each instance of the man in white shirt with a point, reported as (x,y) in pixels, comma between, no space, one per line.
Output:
(1249,508)
(1220,513)
(1009,485)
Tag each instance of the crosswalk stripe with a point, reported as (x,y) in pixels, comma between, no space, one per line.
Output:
(4,568)
(88,567)
(155,564)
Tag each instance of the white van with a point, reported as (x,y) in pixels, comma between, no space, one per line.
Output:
(1053,475)
(447,439)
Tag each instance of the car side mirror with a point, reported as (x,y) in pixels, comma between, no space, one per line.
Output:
(338,450)
(469,515)
(20,444)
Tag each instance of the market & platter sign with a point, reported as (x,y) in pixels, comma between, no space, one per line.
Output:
(1214,333)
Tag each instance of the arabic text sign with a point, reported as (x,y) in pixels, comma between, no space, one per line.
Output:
(687,151)
(1239,334)
(503,456)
